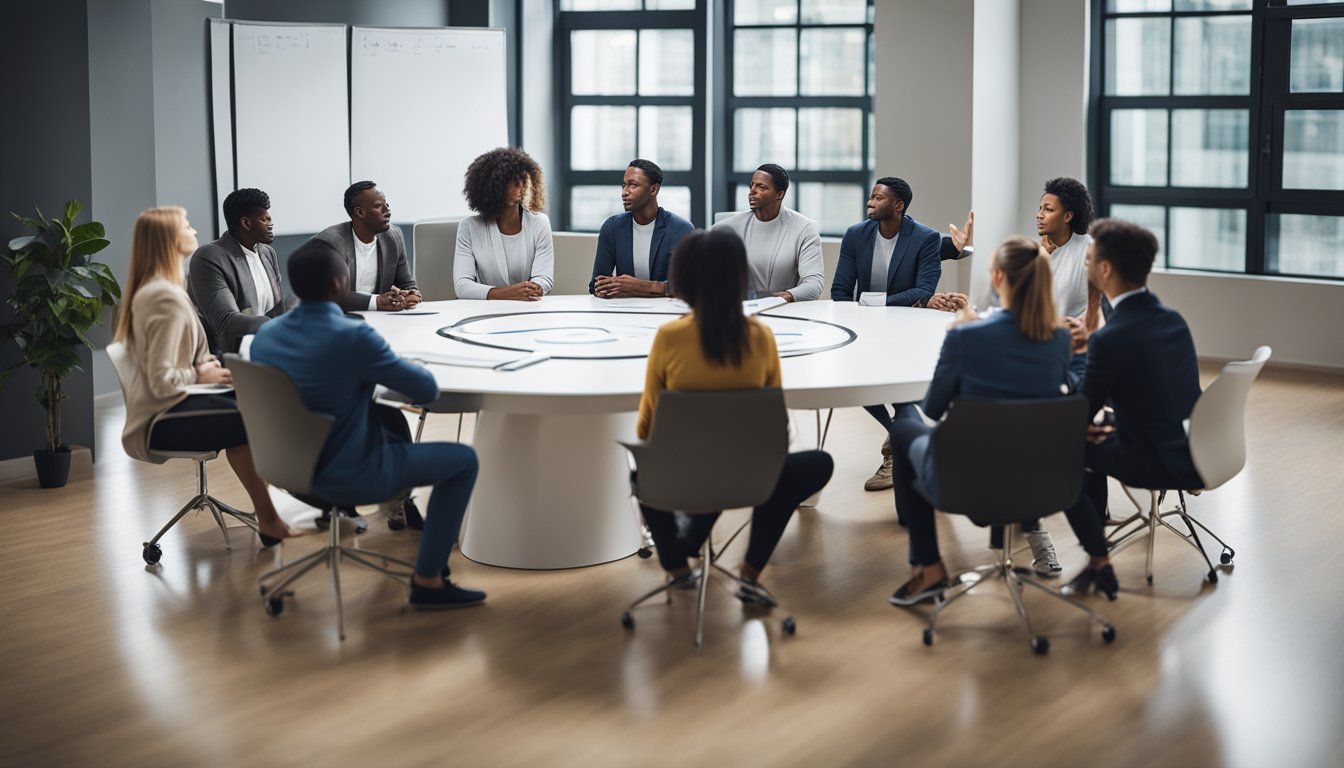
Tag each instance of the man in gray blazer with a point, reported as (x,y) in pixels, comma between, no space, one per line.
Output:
(235,281)
(374,252)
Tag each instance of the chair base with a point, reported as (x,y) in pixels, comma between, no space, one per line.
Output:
(788,626)
(273,595)
(150,550)
(1014,577)
(1147,522)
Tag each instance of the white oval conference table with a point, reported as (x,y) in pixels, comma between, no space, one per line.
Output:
(553,489)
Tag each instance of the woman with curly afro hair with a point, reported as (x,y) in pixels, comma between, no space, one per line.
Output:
(1061,221)
(505,250)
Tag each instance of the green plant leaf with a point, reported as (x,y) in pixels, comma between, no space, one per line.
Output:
(88,231)
(19,243)
(72,209)
(87,247)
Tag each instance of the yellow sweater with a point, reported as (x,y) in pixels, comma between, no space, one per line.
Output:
(678,362)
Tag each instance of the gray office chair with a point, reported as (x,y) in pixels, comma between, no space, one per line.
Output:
(1217,430)
(710,451)
(150,550)
(286,440)
(1006,461)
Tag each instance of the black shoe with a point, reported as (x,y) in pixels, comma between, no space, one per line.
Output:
(267,541)
(750,592)
(451,596)
(1102,579)
(414,520)
(906,596)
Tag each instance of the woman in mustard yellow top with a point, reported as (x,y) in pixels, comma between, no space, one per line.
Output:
(717,347)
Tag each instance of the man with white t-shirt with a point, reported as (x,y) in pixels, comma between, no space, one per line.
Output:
(374,252)
(888,260)
(235,280)
(634,248)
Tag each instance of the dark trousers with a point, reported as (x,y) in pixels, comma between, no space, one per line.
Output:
(393,421)
(1134,468)
(214,425)
(903,411)
(804,474)
(918,512)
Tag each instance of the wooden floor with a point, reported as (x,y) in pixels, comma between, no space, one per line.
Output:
(106,662)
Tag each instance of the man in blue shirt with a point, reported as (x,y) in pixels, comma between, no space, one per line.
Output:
(336,362)
(634,248)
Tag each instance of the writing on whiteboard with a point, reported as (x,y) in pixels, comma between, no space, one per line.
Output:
(270,43)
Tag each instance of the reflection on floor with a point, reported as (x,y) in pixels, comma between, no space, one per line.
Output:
(103,661)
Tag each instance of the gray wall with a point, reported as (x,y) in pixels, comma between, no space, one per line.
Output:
(44,163)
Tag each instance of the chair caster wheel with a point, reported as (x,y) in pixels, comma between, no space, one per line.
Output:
(627,620)
(1040,645)
(1212,577)
(1150,581)
(928,636)
(645,553)
(1226,557)
(1108,633)
(261,588)
(275,606)
(151,553)
(789,626)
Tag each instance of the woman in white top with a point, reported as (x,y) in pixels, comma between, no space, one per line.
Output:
(1061,221)
(505,250)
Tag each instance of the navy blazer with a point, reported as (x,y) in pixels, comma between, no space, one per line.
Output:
(989,359)
(1143,363)
(336,361)
(616,245)
(912,275)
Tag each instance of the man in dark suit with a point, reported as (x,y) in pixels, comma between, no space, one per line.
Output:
(374,253)
(888,259)
(1142,364)
(336,362)
(235,281)
(634,248)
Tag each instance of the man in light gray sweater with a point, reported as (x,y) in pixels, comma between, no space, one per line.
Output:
(783,246)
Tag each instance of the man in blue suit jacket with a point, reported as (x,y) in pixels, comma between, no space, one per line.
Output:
(904,263)
(336,362)
(1143,364)
(634,248)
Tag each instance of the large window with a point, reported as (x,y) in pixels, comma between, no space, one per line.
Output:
(799,79)
(794,85)
(1220,126)
(631,85)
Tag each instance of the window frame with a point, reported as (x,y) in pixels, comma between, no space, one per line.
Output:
(1268,98)
(567,177)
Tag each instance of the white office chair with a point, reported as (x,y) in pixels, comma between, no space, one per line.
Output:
(722,215)
(1217,430)
(434,243)
(710,451)
(150,550)
(287,440)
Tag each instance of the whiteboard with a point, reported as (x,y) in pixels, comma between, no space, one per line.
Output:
(291,129)
(221,118)
(425,103)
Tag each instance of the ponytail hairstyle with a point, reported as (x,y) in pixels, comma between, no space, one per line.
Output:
(709,272)
(1026,273)
(153,254)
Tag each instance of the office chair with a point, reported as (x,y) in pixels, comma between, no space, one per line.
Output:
(1002,462)
(150,550)
(286,440)
(710,451)
(1217,429)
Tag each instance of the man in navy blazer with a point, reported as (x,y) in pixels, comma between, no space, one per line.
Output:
(336,362)
(1143,364)
(892,254)
(634,248)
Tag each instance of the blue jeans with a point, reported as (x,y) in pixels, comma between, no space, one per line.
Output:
(451,468)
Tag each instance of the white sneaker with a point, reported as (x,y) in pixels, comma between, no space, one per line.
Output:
(1043,555)
(881,479)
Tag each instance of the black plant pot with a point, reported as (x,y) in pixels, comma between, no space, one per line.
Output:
(53,467)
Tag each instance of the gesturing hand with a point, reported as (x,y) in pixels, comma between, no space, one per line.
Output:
(963,238)
(1048,244)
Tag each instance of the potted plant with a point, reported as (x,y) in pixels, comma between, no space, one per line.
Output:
(59,294)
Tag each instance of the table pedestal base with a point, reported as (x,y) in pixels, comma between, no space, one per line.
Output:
(553,491)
